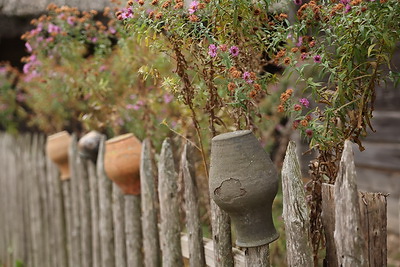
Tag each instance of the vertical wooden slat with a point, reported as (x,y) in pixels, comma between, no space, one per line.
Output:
(169,208)
(151,245)
(191,196)
(106,220)
(221,231)
(133,231)
(2,200)
(67,207)
(119,226)
(86,219)
(348,236)
(295,212)
(258,256)
(94,208)
(328,221)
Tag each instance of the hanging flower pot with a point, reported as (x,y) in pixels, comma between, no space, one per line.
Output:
(89,145)
(57,147)
(122,162)
(243,182)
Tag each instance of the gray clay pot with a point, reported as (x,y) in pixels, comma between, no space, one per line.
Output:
(89,145)
(244,182)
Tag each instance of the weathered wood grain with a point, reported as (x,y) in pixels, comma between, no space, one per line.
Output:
(295,212)
(169,208)
(119,225)
(106,220)
(191,196)
(348,237)
(384,156)
(257,256)
(66,196)
(76,249)
(94,209)
(133,231)
(151,244)
(386,125)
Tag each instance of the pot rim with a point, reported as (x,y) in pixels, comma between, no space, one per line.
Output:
(231,135)
(119,138)
(58,135)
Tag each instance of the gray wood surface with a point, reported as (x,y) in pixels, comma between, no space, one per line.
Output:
(95,213)
(328,221)
(295,212)
(106,220)
(257,256)
(191,196)
(384,156)
(133,231)
(66,195)
(119,225)
(151,243)
(170,229)
(348,236)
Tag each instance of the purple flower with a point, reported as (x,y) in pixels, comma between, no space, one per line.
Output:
(53,28)
(234,50)
(168,98)
(70,20)
(94,39)
(317,59)
(102,68)
(129,106)
(193,7)
(347,8)
(3,70)
(304,56)
(212,50)
(112,30)
(309,132)
(300,41)
(305,102)
(127,13)
(27,67)
(345,2)
(28,47)
(298,2)
(246,77)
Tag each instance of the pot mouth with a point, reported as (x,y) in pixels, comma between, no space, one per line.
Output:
(119,138)
(57,135)
(231,135)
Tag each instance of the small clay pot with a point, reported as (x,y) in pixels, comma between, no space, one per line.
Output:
(57,147)
(89,145)
(243,182)
(122,162)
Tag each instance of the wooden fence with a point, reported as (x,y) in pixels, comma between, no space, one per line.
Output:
(87,221)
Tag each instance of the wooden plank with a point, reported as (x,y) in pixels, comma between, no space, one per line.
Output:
(191,196)
(373,224)
(85,213)
(221,231)
(170,228)
(106,221)
(387,127)
(295,212)
(119,225)
(378,180)
(350,244)
(257,256)
(151,245)
(66,196)
(238,255)
(3,192)
(378,155)
(328,221)
(94,208)
(133,231)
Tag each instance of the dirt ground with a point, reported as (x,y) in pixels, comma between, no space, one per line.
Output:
(393,241)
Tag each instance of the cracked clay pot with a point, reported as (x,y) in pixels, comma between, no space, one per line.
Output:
(243,182)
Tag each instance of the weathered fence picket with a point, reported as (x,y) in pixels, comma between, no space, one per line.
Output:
(295,212)
(170,229)
(87,221)
(193,224)
(151,243)
(106,220)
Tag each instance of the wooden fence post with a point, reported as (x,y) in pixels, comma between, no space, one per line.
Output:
(170,232)
(106,220)
(151,244)
(119,225)
(191,196)
(95,213)
(295,212)
(133,231)
(348,236)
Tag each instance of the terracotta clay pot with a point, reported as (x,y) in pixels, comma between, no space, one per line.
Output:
(57,147)
(243,182)
(122,162)
(89,145)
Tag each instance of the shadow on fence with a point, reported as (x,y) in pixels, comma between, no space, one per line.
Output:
(87,221)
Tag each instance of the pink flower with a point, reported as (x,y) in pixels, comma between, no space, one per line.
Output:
(304,56)
(70,20)
(347,8)
(28,47)
(53,28)
(305,102)
(234,50)
(309,132)
(212,50)
(246,77)
(129,106)
(193,7)
(298,2)
(317,59)
(112,30)
(300,41)
(168,98)
(94,39)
